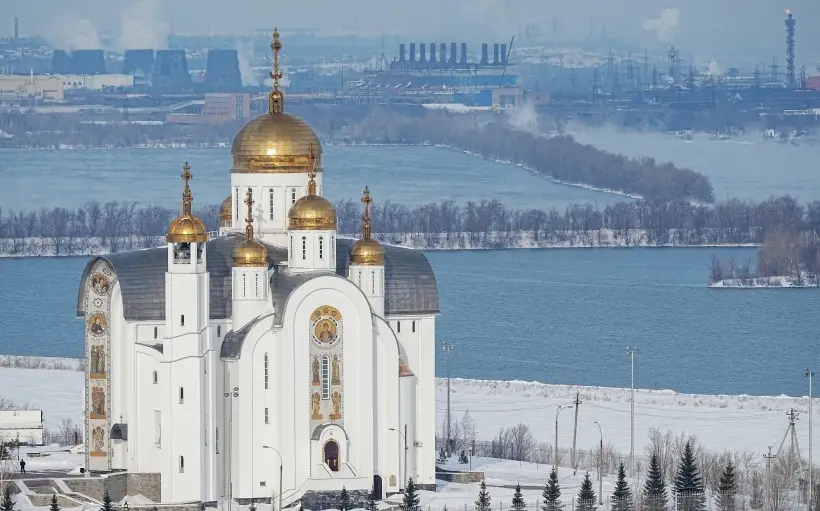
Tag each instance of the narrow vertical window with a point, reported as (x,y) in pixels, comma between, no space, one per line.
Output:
(398,327)
(359,277)
(372,282)
(216,440)
(321,247)
(155,378)
(325,377)
(413,326)
(290,251)
(181,395)
(218,330)
(244,285)
(182,320)
(333,247)
(257,286)
(293,195)
(270,197)
(236,205)
(267,417)
(157,427)
(181,464)
(266,370)
(304,248)
(155,332)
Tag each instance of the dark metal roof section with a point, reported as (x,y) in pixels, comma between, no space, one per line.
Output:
(232,343)
(119,432)
(317,433)
(410,286)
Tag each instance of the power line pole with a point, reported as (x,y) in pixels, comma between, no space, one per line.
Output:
(577,404)
(769,457)
(631,351)
(447,347)
(809,375)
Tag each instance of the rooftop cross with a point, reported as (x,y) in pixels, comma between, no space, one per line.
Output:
(366,200)
(187,196)
(249,219)
(276,100)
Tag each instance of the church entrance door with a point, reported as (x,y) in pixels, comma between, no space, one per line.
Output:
(377,486)
(332,455)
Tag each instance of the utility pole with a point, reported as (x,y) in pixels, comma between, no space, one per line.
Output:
(577,404)
(809,375)
(447,347)
(631,351)
(600,467)
(769,457)
(555,456)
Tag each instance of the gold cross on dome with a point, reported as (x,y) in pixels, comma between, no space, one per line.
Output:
(249,220)
(187,196)
(366,200)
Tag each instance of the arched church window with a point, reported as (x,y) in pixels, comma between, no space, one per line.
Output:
(293,195)
(244,285)
(236,205)
(333,247)
(359,277)
(156,330)
(413,326)
(290,250)
(266,371)
(304,248)
(270,197)
(181,395)
(398,327)
(182,320)
(325,377)
(321,247)
(267,416)
(218,330)
(257,285)
(155,378)
(373,282)
(181,464)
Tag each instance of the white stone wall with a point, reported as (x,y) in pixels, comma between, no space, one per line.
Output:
(311,251)
(370,279)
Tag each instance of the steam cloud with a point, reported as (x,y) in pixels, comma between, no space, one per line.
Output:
(142,28)
(664,26)
(244,52)
(714,68)
(524,118)
(71,32)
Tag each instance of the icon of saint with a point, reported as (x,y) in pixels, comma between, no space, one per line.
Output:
(335,379)
(97,326)
(316,380)
(326,334)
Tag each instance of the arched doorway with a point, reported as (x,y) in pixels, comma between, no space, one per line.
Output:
(331,455)
(377,486)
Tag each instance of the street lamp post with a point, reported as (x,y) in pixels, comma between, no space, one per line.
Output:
(555,457)
(600,467)
(631,351)
(447,348)
(809,375)
(280,473)
(403,437)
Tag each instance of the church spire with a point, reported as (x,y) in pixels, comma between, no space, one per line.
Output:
(312,173)
(249,218)
(366,200)
(187,196)
(276,99)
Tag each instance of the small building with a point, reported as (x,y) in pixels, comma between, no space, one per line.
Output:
(14,87)
(96,82)
(218,108)
(21,426)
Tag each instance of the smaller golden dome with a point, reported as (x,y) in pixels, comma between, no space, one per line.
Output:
(312,212)
(186,228)
(226,210)
(367,252)
(250,253)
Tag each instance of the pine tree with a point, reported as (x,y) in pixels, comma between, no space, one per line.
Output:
(727,488)
(411,499)
(654,489)
(552,493)
(518,499)
(688,483)
(7,504)
(462,458)
(586,496)
(370,504)
(107,506)
(54,506)
(622,496)
(483,502)
(344,500)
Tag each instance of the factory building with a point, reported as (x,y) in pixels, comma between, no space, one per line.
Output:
(13,87)
(218,108)
(96,82)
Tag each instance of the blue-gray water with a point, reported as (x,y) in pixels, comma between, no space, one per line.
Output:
(559,316)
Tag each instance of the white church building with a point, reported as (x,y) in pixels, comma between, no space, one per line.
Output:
(273,359)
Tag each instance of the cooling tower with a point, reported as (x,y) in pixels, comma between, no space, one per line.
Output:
(88,62)
(442,58)
(402,52)
(412,52)
(138,63)
(453,53)
(463,53)
(422,53)
(60,63)
(495,54)
(432,59)
(484,58)
(503,54)
(171,72)
(222,72)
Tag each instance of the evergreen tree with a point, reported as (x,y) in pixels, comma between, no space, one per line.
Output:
(4,451)
(54,506)
(654,489)
(727,488)
(622,496)
(688,483)
(7,504)
(344,500)
(518,499)
(411,499)
(370,504)
(106,504)
(586,495)
(462,458)
(483,502)
(552,493)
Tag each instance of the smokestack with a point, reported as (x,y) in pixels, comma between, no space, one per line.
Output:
(453,53)
(484,59)
(422,53)
(402,52)
(463,53)
(222,71)
(495,54)
(504,54)
(432,53)
(442,53)
(16,28)
(412,52)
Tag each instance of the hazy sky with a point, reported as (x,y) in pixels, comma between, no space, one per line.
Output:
(704,28)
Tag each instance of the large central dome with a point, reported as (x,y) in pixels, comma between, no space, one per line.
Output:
(276,142)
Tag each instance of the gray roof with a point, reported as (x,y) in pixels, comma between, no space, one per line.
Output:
(232,343)
(410,286)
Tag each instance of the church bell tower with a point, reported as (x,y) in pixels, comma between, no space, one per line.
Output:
(249,274)
(366,267)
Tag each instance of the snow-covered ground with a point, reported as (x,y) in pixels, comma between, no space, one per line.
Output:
(767,282)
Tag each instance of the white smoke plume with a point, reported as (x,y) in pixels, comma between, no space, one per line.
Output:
(142,28)
(244,52)
(714,68)
(523,118)
(665,25)
(71,32)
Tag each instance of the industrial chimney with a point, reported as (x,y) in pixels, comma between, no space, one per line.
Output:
(453,53)
(422,53)
(412,52)
(463,53)
(442,53)
(16,28)
(402,52)
(495,54)
(432,53)
(503,54)
(484,59)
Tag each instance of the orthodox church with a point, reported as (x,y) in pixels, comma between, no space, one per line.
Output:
(272,358)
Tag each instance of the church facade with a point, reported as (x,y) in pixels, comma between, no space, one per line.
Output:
(274,359)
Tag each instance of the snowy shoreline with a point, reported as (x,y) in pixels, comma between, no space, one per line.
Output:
(781,282)
(601,238)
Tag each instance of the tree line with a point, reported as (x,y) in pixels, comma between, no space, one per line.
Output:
(119,226)
(784,253)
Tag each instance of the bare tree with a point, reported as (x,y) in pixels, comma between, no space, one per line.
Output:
(521,442)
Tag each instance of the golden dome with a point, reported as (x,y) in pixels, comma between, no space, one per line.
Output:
(312,212)
(186,228)
(367,251)
(226,210)
(276,142)
(250,252)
